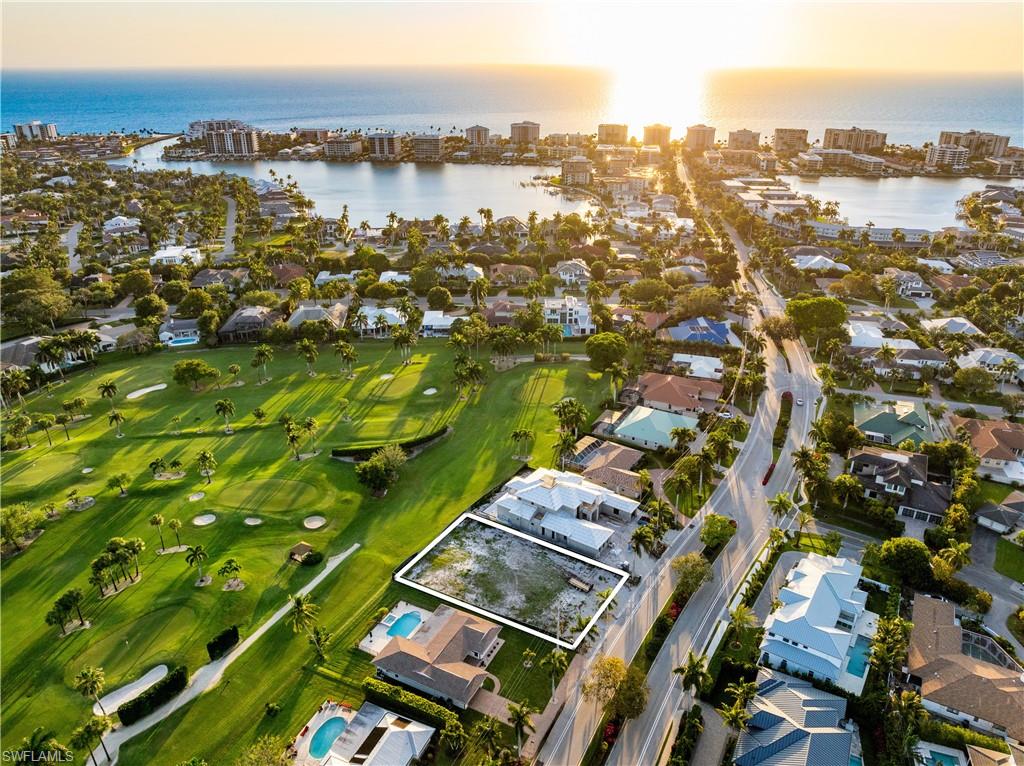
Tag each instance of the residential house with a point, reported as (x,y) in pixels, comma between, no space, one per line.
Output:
(230,278)
(469,272)
(22,353)
(397,277)
(371,316)
(436,324)
(572,313)
(179,330)
(175,255)
(793,723)
(562,508)
(247,324)
(998,443)
(624,315)
(870,333)
(121,224)
(991,359)
(701,330)
(444,657)
(900,479)
(951,325)
(574,273)
(908,283)
(812,258)
(373,736)
(113,337)
(909,361)
(503,274)
(1002,518)
(949,283)
(650,428)
(823,627)
(501,313)
(893,423)
(333,314)
(982,756)
(608,464)
(284,273)
(982,259)
(673,393)
(697,366)
(964,676)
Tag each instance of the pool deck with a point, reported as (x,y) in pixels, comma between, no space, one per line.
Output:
(866,626)
(374,641)
(926,749)
(330,709)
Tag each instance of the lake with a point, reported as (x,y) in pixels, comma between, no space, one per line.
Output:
(907,202)
(413,190)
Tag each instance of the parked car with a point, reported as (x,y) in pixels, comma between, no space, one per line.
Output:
(768,474)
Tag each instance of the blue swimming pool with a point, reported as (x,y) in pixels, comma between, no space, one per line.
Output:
(182,341)
(855,760)
(859,654)
(941,759)
(324,737)
(405,625)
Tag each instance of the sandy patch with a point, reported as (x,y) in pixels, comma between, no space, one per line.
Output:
(234,584)
(204,520)
(76,627)
(147,390)
(196,496)
(88,470)
(169,475)
(252,521)
(204,581)
(112,701)
(308,455)
(386,376)
(83,503)
(236,384)
(313,522)
(174,549)
(429,391)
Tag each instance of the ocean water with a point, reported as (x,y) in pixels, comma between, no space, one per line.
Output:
(911,108)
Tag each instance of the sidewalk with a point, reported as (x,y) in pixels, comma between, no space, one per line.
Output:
(711,744)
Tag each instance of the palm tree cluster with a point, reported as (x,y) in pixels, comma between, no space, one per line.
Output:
(68,603)
(114,564)
(295,432)
(468,373)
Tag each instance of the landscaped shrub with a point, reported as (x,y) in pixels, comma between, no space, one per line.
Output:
(782,426)
(163,691)
(691,724)
(312,558)
(223,641)
(364,453)
(958,737)
(399,700)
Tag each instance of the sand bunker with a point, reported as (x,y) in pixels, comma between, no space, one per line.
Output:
(88,470)
(144,391)
(386,376)
(204,520)
(196,496)
(429,391)
(314,522)
(118,697)
(252,521)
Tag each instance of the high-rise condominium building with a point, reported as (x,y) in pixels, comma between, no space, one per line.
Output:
(428,147)
(790,140)
(700,138)
(525,132)
(611,133)
(948,154)
(36,131)
(853,139)
(657,135)
(979,144)
(240,143)
(744,139)
(199,128)
(385,146)
(340,148)
(477,135)
(577,171)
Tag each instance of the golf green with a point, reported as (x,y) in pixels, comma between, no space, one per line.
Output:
(270,495)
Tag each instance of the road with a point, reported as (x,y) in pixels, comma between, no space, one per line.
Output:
(740,496)
(71,239)
(229,232)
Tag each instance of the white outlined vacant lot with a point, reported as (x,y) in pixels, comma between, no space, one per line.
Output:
(512,578)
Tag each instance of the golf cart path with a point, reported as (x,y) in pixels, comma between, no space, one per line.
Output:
(112,701)
(209,675)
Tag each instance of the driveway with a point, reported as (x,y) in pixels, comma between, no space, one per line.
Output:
(763,605)
(229,232)
(1007,594)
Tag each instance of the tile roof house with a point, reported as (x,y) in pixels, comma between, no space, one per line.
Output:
(572,272)
(901,480)
(501,313)
(650,428)
(511,273)
(444,657)
(673,393)
(284,273)
(623,315)
(952,282)
(982,756)
(247,323)
(792,723)
(228,277)
(701,330)
(562,508)
(823,625)
(893,423)
(984,689)
(608,464)
(310,311)
(999,444)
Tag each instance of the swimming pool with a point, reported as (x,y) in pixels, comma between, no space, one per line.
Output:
(859,654)
(941,759)
(405,625)
(182,341)
(855,760)
(324,737)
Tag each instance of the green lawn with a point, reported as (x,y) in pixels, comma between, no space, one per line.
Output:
(1010,560)
(993,492)
(164,618)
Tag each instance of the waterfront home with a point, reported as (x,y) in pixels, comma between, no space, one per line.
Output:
(963,676)
(175,255)
(823,627)
(572,313)
(701,330)
(900,479)
(247,324)
(672,393)
(793,723)
(608,464)
(228,277)
(563,508)
(998,443)
(179,332)
(908,283)
(574,273)
(511,274)
(893,422)
(650,428)
(332,314)
(697,366)
(951,326)
(445,656)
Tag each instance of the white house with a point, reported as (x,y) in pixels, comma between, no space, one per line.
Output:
(870,335)
(574,272)
(175,255)
(372,315)
(817,263)
(436,324)
(990,359)
(397,277)
(469,272)
(572,313)
(941,267)
(121,224)
(823,627)
(952,325)
(908,283)
(179,331)
(697,366)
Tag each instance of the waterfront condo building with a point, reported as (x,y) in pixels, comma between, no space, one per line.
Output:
(853,139)
(36,131)
(477,135)
(199,128)
(952,155)
(340,148)
(427,147)
(790,140)
(385,146)
(319,135)
(657,135)
(577,171)
(611,133)
(700,138)
(525,132)
(8,141)
(744,139)
(978,143)
(240,143)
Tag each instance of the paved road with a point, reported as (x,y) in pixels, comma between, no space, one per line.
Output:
(739,495)
(1007,594)
(229,232)
(71,239)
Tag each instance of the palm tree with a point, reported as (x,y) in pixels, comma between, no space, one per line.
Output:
(81,740)
(195,556)
(116,418)
(108,390)
(303,612)
(226,409)
(478,290)
(957,555)
(523,436)
(803,519)
(262,355)
(519,718)
(46,422)
(555,663)
(487,733)
(565,448)
(307,350)
(157,465)
(742,618)
(320,639)
(90,682)
(734,716)
(156,520)
(347,353)
(233,370)
(694,673)
(119,481)
(230,569)
(780,505)
(682,436)
(174,525)
(742,691)
(206,463)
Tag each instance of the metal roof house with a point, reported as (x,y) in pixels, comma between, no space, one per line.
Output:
(651,428)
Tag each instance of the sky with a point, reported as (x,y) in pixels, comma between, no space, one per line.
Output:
(641,39)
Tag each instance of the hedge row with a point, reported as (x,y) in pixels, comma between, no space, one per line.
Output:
(782,426)
(958,737)
(691,724)
(364,453)
(163,691)
(398,700)
(218,646)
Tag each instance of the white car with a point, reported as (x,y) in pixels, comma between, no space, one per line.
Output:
(800,402)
